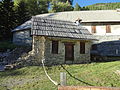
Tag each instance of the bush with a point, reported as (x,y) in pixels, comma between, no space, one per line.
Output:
(6,45)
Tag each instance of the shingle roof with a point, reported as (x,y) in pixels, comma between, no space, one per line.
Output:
(86,16)
(26,25)
(58,28)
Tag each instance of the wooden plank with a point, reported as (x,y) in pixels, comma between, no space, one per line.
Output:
(86,88)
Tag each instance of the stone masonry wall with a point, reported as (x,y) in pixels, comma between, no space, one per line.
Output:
(22,37)
(38,48)
(60,57)
(43,46)
(54,58)
(82,58)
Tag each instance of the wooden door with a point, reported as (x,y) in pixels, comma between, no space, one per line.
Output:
(69,51)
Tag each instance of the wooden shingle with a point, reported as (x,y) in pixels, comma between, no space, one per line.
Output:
(58,28)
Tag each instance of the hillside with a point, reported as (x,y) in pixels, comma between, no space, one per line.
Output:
(34,78)
(104,6)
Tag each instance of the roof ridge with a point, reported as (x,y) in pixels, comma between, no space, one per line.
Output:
(51,19)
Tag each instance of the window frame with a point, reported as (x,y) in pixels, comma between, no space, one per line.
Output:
(93,29)
(55,46)
(82,47)
(108,29)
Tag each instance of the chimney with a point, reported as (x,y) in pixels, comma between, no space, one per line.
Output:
(78,21)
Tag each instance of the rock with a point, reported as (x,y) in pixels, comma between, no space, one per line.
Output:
(117,72)
(8,67)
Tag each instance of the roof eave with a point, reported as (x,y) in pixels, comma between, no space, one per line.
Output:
(100,22)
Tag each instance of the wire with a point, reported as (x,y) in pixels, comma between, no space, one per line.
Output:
(54,82)
(75,77)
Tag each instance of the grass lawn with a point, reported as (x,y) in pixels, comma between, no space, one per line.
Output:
(34,78)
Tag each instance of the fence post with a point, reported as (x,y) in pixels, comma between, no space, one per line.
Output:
(63,79)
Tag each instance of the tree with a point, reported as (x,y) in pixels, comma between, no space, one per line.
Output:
(70,1)
(60,7)
(84,8)
(0,19)
(77,7)
(7,18)
(64,1)
(35,6)
(22,13)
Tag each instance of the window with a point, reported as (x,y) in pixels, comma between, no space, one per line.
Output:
(82,47)
(55,47)
(93,28)
(108,29)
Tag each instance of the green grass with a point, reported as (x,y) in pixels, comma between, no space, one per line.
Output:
(34,78)
(104,6)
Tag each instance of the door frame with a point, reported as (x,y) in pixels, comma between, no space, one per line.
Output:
(72,45)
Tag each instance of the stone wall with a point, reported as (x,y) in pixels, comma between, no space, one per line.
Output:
(22,37)
(82,58)
(44,43)
(38,48)
(54,58)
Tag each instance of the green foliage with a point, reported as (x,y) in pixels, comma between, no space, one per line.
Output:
(12,15)
(34,78)
(84,8)
(64,1)
(22,13)
(60,7)
(7,18)
(104,6)
(37,7)
(6,45)
(34,7)
(77,7)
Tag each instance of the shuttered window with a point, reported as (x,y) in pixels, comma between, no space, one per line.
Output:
(55,47)
(108,29)
(93,28)
(82,47)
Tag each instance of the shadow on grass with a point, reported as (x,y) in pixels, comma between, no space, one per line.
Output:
(10,73)
(104,61)
(3,87)
(75,77)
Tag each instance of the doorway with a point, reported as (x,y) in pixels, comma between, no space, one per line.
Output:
(69,51)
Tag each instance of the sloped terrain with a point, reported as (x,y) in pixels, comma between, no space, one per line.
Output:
(17,54)
(104,6)
(34,78)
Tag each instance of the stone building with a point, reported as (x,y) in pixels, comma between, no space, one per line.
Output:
(60,42)
(21,34)
(104,25)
